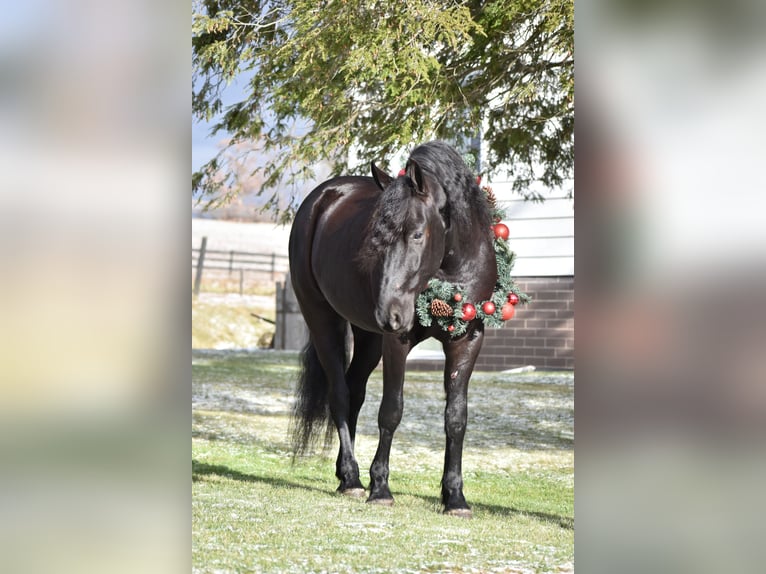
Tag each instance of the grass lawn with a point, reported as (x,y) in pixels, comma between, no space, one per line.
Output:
(224,321)
(254,510)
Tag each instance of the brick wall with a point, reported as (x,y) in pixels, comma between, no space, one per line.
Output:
(540,334)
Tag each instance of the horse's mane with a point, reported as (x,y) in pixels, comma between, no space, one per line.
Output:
(466,204)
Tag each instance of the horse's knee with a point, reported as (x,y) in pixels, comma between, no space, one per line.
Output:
(455,428)
(390,413)
(455,418)
(390,420)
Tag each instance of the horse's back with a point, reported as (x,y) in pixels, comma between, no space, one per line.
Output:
(328,203)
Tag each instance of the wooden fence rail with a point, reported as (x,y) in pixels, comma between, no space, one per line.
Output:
(271,264)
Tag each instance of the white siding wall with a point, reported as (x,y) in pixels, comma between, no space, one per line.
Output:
(541,234)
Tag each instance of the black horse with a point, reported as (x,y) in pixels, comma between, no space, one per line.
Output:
(361,250)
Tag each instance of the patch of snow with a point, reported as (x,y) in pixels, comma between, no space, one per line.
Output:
(527,369)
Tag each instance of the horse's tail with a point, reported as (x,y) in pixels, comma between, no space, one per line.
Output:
(311,412)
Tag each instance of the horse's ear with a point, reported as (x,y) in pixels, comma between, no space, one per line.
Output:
(380,176)
(416,174)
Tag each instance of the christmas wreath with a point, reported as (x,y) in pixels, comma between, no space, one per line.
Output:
(443,302)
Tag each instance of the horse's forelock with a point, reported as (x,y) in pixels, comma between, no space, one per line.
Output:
(387,222)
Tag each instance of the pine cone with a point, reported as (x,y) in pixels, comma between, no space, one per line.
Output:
(491,199)
(440,308)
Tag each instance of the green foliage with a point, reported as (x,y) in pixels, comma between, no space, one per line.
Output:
(325,78)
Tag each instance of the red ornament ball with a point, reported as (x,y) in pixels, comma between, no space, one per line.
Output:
(501,230)
(513,298)
(402,171)
(450,328)
(458,297)
(469,312)
(488,308)
(507,310)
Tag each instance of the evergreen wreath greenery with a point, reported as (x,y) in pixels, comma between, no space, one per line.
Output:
(452,294)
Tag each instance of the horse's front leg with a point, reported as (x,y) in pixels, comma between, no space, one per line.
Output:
(460,359)
(395,351)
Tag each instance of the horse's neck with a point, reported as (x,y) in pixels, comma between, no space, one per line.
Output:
(469,261)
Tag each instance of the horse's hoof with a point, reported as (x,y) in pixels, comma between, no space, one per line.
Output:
(354,492)
(381,501)
(460,512)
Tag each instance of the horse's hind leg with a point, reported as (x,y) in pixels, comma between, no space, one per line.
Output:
(367,353)
(329,338)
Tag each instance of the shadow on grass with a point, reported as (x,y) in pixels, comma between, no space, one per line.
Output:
(201,469)
(566,522)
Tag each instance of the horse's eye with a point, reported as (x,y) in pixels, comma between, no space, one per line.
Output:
(417,235)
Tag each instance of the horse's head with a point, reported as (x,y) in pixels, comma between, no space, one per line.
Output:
(406,243)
